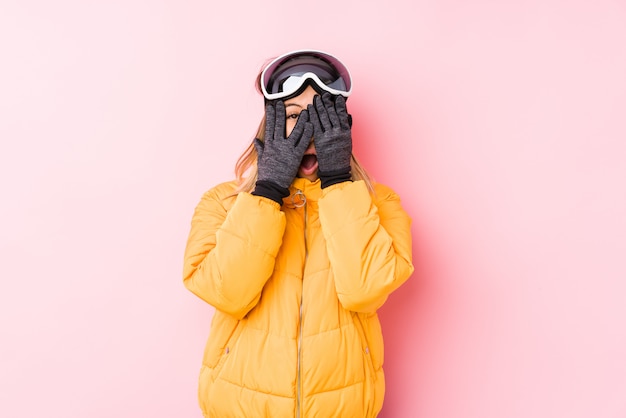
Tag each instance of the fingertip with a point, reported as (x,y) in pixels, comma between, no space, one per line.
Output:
(327,98)
(258,145)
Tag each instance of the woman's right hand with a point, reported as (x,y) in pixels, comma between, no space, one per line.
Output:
(278,157)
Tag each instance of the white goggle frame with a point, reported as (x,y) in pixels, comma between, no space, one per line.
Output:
(299,80)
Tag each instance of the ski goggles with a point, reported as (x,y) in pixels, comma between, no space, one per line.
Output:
(288,75)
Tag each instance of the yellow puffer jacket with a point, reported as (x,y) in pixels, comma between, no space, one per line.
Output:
(295,332)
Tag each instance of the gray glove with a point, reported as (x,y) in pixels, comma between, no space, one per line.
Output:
(332,137)
(278,157)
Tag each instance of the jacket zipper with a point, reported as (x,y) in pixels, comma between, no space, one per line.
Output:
(299,359)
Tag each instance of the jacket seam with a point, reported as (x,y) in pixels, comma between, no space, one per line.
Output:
(339,388)
(254,390)
(248,243)
(348,325)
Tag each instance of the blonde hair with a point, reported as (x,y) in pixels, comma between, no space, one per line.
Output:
(246,167)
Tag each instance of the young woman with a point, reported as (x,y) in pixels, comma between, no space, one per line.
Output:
(296,255)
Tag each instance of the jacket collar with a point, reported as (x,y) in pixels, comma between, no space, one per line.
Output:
(311,189)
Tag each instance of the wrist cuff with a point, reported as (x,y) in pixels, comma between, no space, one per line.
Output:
(334,177)
(271,191)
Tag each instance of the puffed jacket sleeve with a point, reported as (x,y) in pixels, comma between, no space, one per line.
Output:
(230,254)
(368,239)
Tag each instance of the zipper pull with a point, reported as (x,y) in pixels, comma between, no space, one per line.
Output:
(298,199)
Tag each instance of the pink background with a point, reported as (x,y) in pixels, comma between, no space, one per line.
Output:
(501,124)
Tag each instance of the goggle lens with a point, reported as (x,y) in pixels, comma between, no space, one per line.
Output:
(286,75)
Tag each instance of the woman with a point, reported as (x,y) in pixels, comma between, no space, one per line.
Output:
(296,255)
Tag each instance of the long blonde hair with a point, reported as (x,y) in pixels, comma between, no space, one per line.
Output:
(246,167)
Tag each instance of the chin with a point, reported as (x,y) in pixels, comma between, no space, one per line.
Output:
(310,177)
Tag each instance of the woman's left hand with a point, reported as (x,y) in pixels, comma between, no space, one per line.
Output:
(332,134)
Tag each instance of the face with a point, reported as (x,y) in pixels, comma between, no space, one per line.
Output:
(293,107)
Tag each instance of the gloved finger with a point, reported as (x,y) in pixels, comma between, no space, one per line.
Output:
(314,119)
(259,146)
(281,118)
(270,119)
(330,109)
(322,113)
(305,139)
(342,113)
(296,133)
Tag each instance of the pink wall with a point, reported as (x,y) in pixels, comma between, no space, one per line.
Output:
(502,125)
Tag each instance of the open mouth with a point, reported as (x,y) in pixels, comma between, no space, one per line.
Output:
(308,161)
(308,165)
